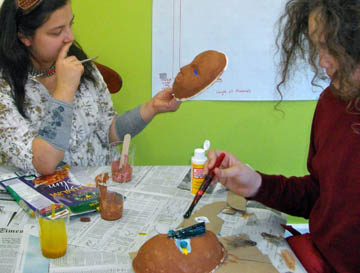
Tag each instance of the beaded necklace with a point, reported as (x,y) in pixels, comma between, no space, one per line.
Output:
(42,73)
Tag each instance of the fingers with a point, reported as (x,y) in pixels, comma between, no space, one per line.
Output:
(162,93)
(166,94)
(64,51)
(164,102)
(64,59)
(174,104)
(212,156)
(167,91)
(68,74)
(222,174)
(210,162)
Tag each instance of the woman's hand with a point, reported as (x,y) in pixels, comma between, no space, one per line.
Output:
(233,174)
(162,102)
(68,74)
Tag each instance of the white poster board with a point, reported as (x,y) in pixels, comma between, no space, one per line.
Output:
(244,30)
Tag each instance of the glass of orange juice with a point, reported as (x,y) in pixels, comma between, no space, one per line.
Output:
(52,222)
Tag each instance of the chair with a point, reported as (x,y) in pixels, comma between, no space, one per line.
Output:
(111,77)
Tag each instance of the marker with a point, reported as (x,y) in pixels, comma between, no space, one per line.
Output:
(208,178)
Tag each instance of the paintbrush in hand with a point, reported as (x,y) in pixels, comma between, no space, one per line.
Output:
(208,178)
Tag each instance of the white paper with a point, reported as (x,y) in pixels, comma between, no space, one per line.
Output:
(10,241)
(244,30)
(20,252)
(7,211)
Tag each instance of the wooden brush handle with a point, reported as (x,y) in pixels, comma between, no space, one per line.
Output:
(125,149)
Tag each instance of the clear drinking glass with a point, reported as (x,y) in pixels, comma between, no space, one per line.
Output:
(52,230)
(121,166)
(111,204)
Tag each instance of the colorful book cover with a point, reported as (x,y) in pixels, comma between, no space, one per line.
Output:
(78,198)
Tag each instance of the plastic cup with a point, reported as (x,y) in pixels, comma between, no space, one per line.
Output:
(121,168)
(111,204)
(52,230)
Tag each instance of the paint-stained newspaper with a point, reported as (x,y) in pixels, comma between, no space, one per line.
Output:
(154,204)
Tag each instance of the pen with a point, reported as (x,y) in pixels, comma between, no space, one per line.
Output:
(208,178)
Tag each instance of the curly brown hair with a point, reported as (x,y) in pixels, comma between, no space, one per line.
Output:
(340,25)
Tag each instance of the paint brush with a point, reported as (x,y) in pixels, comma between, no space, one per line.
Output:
(89,59)
(53,70)
(208,178)
(125,150)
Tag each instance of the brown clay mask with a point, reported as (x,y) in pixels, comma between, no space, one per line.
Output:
(199,74)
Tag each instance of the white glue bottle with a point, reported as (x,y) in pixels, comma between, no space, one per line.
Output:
(197,167)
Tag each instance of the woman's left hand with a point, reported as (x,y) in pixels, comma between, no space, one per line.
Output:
(162,102)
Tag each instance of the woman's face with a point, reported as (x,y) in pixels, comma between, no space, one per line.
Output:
(326,60)
(50,37)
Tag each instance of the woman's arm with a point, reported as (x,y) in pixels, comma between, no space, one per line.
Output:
(136,119)
(54,133)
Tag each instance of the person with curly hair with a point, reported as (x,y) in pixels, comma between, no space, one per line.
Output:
(326,34)
(53,107)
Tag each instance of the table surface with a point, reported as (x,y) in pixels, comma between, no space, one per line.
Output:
(156,200)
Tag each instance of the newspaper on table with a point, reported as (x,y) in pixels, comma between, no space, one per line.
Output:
(8,210)
(10,241)
(153,201)
(20,252)
(8,172)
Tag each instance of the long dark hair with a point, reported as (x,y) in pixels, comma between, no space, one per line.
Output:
(341,21)
(15,60)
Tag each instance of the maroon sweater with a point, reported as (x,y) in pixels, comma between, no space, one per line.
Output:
(330,195)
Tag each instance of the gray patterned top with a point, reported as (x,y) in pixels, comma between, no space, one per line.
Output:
(93,113)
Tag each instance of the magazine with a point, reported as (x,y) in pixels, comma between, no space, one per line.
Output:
(31,197)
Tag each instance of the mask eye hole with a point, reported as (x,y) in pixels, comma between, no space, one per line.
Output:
(195,69)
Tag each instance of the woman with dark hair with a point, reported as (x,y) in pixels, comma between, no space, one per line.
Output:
(326,33)
(54,108)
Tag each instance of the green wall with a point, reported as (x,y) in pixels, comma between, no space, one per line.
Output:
(119,31)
